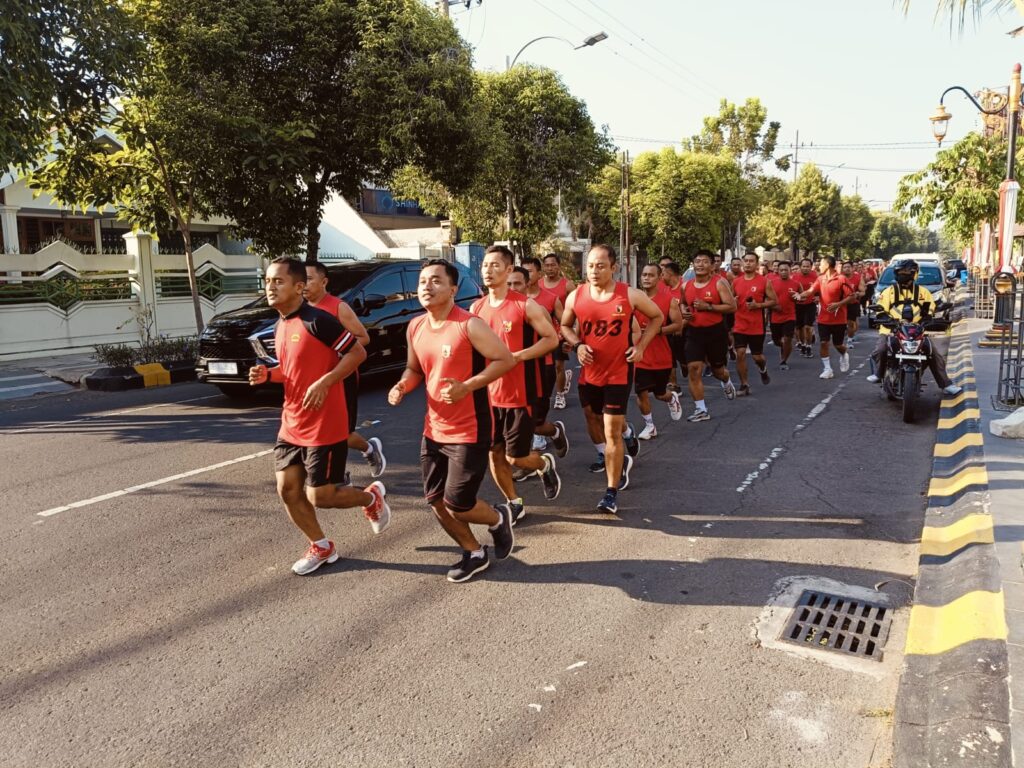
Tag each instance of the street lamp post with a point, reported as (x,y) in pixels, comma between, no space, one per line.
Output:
(1009,188)
(588,42)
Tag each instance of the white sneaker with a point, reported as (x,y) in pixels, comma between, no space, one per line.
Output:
(827,374)
(539,443)
(873,379)
(953,390)
(648,432)
(568,381)
(315,557)
(378,513)
(675,408)
(844,362)
(559,401)
(730,391)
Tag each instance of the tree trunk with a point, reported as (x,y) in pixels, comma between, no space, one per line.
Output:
(193,284)
(312,233)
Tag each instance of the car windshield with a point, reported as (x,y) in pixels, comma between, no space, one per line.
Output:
(339,279)
(929,274)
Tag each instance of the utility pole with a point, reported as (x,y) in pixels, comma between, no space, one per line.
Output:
(442,6)
(796,154)
(630,265)
(622,211)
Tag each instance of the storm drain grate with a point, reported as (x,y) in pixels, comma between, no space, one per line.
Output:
(836,623)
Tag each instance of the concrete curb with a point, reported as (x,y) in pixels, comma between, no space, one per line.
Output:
(139,376)
(953,705)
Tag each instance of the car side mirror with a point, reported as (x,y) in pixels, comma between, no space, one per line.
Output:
(374,301)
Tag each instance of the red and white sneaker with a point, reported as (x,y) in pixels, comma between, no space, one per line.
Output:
(315,557)
(378,513)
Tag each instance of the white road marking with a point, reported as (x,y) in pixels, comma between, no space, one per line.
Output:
(40,385)
(153,484)
(51,424)
(814,413)
(577,665)
(22,378)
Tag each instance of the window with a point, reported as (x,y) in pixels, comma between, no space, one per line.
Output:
(388,285)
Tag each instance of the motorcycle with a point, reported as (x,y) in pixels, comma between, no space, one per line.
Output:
(908,353)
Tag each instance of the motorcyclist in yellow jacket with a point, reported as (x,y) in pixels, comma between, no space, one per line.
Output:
(893,300)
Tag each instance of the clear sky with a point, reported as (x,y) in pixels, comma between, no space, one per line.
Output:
(842,73)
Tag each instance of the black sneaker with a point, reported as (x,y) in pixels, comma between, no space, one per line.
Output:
(597,466)
(627,464)
(608,503)
(503,537)
(519,475)
(765,378)
(632,443)
(518,511)
(783,366)
(468,567)
(375,458)
(560,440)
(549,477)
(743,391)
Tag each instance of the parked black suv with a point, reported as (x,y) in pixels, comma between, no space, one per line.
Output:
(382,293)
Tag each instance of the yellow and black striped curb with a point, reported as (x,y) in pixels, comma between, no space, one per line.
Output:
(953,704)
(139,376)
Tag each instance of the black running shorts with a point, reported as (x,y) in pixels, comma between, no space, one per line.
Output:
(834,333)
(513,429)
(612,399)
(710,343)
(853,312)
(677,343)
(648,380)
(752,341)
(806,314)
(782,331)
(323,464)
(453,472)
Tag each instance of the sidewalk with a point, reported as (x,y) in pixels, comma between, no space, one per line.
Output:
(1004,460)
(69,368)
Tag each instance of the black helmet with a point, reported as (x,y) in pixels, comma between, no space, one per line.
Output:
(905,271)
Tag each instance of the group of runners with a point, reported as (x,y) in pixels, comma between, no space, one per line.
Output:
(493,373)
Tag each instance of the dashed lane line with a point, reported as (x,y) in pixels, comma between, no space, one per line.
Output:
(151,484)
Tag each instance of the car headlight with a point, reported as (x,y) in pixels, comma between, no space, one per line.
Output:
(263,345)
(910,347)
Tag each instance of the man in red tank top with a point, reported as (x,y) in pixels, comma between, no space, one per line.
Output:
(652,372)
(525,328)
(707,300)
(449,350)
(604,347)
(309,457)
(317,295)
(783,317)
(806,309)
(856,282)
(753,295)
(672,278)
(526,279)
(561,286)
(835,294)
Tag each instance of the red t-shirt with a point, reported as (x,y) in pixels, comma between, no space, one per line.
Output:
(447,353)
(605,328)
(658,355)
(805,282)
(308,343)
(831,288)
(707,292)
(785,309)
(749,321)
(547,300)
(520,386)
(853,281)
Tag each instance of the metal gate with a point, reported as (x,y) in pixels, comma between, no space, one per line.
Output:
(1007,299)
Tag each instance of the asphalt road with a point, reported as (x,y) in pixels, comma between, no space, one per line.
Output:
(162,626)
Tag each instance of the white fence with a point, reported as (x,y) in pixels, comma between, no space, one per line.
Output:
(60,300)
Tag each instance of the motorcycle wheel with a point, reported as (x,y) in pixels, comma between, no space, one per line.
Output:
(911,389)
(887,386)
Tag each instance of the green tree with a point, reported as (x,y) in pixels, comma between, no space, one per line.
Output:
(741,133)
(537,141)
(855,226)
(959,10)
(890,235)
(61,63)
(960,187)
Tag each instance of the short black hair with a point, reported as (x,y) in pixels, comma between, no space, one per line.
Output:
(319,266)
(522,271)
(752,253)
(532,260)
(780,262)
(735,258)
(672,267)
(651,264)
(506,253)
(608,250)
(552,256)
(808,260)
(831,260)
(296,268)
(705,252)
(449,269)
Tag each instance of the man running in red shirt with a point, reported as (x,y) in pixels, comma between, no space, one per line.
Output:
(312,444)
(604,347)
(526,279)
(835,294)
(672,278)
(753,295)
(707,299)
(783,318)
(317,295)
(561,286)
(448,350)
(525,328)
(652,372)
(806,309)
(856,283)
